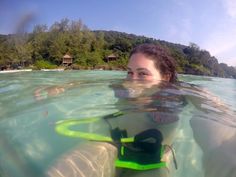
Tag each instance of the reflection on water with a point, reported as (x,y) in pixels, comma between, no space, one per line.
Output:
(198,121)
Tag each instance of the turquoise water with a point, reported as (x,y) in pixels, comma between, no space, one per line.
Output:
(29,144)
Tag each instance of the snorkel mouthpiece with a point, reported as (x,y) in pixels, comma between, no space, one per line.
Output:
(144,153)
(149,140)
(127,93)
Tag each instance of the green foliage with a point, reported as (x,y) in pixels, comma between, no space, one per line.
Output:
(42,64)
(45,47)
(200,69)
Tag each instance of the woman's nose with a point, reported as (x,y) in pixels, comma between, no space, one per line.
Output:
(133,77)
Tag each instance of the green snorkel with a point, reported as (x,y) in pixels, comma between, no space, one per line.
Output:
(63,128)
(142,152)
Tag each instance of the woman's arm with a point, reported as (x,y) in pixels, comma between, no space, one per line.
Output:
(94,159)
(218,143)
(45,92)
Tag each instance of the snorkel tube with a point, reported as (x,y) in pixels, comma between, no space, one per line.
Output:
(144,151)
(63,128)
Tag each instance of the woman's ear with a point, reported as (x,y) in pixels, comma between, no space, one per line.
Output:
(166,77)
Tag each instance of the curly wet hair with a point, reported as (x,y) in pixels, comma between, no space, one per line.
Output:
(163,61)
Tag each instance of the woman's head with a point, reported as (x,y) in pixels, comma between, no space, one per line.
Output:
(151,62)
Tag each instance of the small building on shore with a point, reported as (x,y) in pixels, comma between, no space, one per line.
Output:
(111,57)
(67,60)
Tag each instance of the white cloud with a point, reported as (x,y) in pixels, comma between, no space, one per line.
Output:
(230,7)
(227,57)
(221,40)
(222,44)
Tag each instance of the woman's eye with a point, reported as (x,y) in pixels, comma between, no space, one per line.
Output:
(142,74)
(130,73)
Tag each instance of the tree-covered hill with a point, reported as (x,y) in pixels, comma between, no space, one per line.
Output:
(45,47)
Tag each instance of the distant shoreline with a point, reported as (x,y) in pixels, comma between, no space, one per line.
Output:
(15,70)
(59,69)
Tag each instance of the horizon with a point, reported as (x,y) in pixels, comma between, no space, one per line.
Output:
(213,28)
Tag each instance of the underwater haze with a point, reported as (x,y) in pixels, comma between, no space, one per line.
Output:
(201,110)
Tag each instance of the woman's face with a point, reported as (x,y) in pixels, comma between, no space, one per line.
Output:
(142,74)
(142,68)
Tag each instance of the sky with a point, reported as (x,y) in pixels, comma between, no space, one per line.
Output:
(211,24)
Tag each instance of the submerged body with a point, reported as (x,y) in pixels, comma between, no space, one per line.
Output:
(215,139)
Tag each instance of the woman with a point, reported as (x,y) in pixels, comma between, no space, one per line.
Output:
(149,66)
(151,71)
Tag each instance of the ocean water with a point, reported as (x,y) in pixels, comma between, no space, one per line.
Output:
(201,111)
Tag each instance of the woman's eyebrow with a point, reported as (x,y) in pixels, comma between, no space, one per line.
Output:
(143,69)
(140,69)
(129,69)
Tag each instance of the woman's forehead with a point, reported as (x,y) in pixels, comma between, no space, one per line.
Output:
(140,61)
